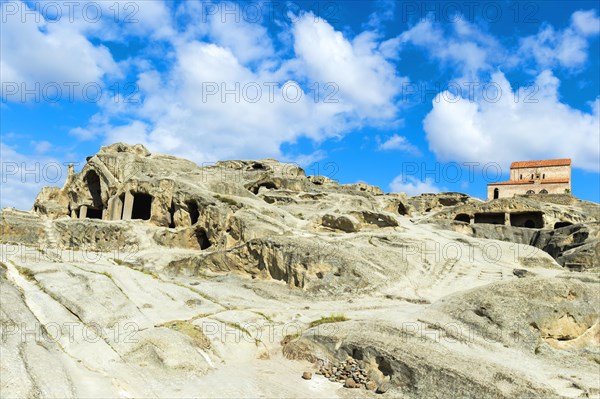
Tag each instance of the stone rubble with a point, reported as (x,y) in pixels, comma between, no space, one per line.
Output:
(307,375)
(350,373)
(440,295)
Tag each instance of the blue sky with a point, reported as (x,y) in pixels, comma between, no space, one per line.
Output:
(410,96)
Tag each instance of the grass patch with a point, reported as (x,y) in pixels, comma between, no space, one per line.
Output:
(27,273)
(237,326)
(121,262)
(148,272)
(328,319)
(107,274)
(201,294)
(191,330)
(266,317)
(227,200)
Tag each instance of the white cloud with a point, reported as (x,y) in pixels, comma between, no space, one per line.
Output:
(53,44)
(586,22)
(42,147)
(384,12)
(462,46)
(35,51)
(397,142)
(412,186)
(176,117)
(140,18)
(567,48)
(23,176)
(248,42)
(469,50)
(117,20)
(364,77)
(521,125)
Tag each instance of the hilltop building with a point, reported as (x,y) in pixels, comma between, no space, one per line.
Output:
(549,176)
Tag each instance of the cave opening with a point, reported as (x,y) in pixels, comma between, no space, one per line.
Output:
(529,224)
(490,218)
(93,183)
(402,209)
(172,215)
(142,206)
(203,240)
(530,220)
(559,225)
(463,217)
(267,185)
(193,211)
(94,213)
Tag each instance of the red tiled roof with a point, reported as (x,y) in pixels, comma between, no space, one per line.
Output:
(518,182)
(537,164)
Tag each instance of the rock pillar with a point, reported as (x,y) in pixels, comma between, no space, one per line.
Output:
(128,206)
(115,208)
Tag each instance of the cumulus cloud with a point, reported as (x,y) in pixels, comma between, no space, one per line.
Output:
(521,124)
(469,50)
(364,77)
(248,42)
(412,186)
(568,47)
(461,45)
(23,176)
(55,48)
(36,51)
(397,142)
(223,99)
(586,22)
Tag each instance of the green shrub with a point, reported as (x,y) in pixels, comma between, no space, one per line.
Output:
(328,319)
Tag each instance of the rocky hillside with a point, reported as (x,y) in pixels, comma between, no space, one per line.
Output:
(146,275)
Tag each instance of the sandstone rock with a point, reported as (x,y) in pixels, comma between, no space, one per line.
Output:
(350,383)
(431,285)
(383,387)
(52,201)
(520,273)
(307,375)
(346,223)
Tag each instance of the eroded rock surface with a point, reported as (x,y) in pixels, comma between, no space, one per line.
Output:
(146,275)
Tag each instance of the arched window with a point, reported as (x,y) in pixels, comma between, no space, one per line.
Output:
(496,193)
(532,175)
(521,176)
(544,191)
(529,192)
(543,176)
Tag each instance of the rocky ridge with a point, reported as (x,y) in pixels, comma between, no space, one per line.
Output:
(242,266)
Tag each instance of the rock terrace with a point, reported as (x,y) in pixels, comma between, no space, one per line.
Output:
(147,275)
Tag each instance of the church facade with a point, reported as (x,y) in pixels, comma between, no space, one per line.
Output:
(549,176)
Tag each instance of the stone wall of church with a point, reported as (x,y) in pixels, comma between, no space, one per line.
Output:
(546,172)
(510,190)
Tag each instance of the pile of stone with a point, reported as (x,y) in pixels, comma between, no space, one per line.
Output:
(350,374)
